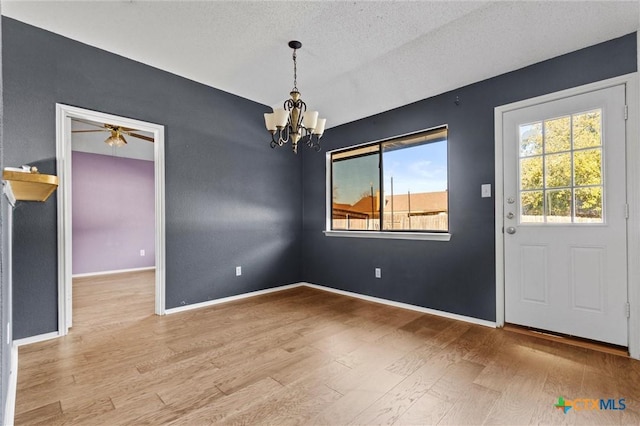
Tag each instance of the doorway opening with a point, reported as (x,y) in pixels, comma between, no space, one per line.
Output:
(149,139)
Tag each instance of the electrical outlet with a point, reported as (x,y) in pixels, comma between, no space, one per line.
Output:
(142,253)
(378,273)
(238,271)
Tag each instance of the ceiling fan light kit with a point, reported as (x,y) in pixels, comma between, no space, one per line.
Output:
(116,139)
(293,122)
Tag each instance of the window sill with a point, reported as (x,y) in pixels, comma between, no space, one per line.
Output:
(431,236)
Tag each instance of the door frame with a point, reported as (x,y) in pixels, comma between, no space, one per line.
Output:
(64,114)
(633,195)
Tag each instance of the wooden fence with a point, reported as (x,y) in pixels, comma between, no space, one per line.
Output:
(438,222)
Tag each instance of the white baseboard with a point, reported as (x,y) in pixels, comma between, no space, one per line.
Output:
(342,292)
(405,306)
(36,339)
(10,406)
(229,299)
(117,271)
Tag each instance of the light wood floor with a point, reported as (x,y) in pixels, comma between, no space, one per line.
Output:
(303,356)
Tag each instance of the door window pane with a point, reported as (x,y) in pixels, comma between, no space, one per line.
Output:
(530,139)
(531,206)
(589,205)
(588,167)
(531,173)
(557,135)
(587,129)
(558,206)
(557,170)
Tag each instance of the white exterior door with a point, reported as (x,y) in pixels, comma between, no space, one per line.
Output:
(564,207)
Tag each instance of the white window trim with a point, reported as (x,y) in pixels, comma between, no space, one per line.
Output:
(432,236)
(395,235)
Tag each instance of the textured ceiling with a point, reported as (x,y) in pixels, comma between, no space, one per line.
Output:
(357,59)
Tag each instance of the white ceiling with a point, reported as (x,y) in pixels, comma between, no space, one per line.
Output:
(358,58)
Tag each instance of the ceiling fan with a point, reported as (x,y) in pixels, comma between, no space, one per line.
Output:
(116,137)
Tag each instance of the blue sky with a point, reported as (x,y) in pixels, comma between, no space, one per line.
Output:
(422,168)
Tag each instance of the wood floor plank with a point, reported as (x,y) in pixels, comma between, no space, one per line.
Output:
(514,404)
(564,377)
(499,371)
(293,404)
(43,414)
(357,397)
(427,410)
(631,416)
(43,393)
(456,380)
(472,407)
(259,367)
(413,360)
(131,412)
(230,405)
(392,405)
(76,412)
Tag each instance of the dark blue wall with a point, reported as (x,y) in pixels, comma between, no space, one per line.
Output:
(5,348)
(230,199)
(456,276)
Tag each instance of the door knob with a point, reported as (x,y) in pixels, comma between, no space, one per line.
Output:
(511,230)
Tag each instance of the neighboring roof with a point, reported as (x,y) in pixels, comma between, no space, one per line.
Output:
(425,202)
(421,202)
(364,205)
(341,206)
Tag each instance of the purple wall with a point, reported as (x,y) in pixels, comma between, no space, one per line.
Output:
(113,213)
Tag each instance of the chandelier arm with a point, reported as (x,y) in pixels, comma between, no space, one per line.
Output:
(303,108)
(313,142)
(281,136)
(275,142)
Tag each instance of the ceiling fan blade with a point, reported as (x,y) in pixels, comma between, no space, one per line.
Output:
(127,129)
(136,135)
(89,131)
(91,123)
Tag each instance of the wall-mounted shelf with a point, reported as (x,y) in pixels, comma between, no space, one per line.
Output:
(29,186)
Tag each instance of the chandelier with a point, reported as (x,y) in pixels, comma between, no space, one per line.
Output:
(294,122)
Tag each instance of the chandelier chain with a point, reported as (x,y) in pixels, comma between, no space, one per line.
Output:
(295,71)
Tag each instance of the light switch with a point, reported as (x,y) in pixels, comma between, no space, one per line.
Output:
(486,190)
